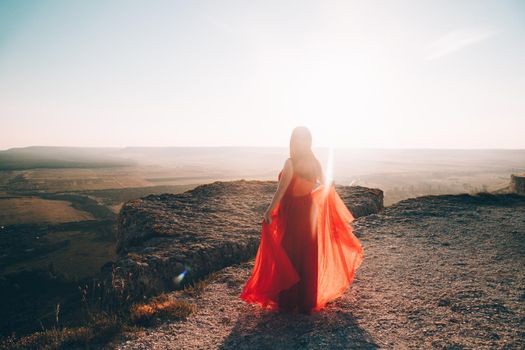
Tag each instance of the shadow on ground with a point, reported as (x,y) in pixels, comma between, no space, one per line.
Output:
(262,329)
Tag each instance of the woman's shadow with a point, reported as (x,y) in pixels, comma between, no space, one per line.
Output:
(329,329)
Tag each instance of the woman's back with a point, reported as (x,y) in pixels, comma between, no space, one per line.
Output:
(307,167)
(306,173)
(299,239)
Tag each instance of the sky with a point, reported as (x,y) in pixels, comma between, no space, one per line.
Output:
(359,74)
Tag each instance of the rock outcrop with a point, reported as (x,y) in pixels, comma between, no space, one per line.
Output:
(166,241)
(517,184)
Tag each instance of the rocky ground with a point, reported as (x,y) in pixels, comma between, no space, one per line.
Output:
(444,272)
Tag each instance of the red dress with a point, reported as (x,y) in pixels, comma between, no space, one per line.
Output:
(308,254)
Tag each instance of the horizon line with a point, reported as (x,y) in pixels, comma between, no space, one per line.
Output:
(285,147)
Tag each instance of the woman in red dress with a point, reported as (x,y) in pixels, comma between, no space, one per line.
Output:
(308,253)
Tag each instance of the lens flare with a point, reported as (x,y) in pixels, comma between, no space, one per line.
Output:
(329,168)
(181,276)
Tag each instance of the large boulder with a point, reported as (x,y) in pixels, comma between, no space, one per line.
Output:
(166,241)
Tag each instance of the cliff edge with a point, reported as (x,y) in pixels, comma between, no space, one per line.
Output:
(166,241)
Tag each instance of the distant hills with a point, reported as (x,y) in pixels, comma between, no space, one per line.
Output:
(35,157)
(60,157)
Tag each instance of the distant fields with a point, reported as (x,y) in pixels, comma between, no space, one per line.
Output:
(74,254)
(66,218)
(61,180)
(34,210)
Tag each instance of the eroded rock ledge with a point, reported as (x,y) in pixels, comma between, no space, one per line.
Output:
(197,232)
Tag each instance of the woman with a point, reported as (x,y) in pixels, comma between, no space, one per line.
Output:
(308,253)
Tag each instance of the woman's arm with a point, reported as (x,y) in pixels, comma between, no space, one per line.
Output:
(286,177)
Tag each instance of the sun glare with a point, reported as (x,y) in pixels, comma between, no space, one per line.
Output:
(329,168)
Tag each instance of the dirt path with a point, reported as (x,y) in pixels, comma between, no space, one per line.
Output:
(439,272)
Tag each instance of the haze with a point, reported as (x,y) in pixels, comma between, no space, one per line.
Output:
(368,74)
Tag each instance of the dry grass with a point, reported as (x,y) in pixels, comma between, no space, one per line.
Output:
(161,307)
(196,288)
(101,328)
(134,256)
(100,331)
(167,306)
(50,339)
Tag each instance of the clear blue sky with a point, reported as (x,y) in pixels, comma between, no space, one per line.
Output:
(387,74)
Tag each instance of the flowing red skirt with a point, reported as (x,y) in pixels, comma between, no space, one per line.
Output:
(307,255)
